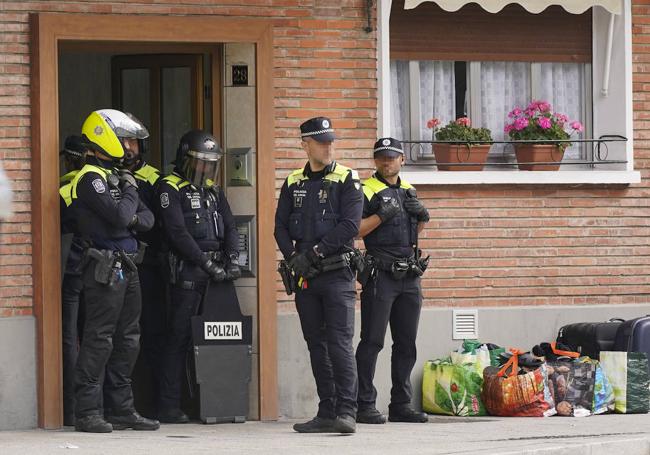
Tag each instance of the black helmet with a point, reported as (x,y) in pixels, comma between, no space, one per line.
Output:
(198,157)
(74,152)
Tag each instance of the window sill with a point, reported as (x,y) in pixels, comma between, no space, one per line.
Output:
(432,177)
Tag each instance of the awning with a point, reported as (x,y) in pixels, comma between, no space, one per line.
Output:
(532,6)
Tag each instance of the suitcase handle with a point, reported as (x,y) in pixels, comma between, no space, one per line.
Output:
(616,320)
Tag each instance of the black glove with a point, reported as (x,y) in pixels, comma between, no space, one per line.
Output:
(216,272)
(304,264)
(387,209)
(415,208)
(232,269)
(127,178)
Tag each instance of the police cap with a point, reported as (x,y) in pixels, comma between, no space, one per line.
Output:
(388,146)
(318,128)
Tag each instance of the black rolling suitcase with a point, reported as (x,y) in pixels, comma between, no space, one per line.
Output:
(589,338)
(634,336)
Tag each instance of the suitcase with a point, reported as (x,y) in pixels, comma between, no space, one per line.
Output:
(589,338)
(634,336)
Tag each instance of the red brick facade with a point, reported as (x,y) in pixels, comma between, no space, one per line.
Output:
(490,245)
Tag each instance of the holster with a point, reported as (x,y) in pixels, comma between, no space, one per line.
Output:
(107,267)
(367,271)
(287,277)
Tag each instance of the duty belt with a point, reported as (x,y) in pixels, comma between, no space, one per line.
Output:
(390,263)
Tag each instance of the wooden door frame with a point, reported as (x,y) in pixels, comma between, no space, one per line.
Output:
(48,31)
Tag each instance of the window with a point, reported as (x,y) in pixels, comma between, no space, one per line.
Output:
(479,64)
(485,92)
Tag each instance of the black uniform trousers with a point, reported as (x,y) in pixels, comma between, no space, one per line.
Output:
(386,300)
(326,310)
(109,346)
(70,297)
(153,319)
(184,305)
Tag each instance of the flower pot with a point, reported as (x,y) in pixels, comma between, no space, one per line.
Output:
(542,153)
(459,153)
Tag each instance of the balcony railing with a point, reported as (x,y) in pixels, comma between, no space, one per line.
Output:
(595,152)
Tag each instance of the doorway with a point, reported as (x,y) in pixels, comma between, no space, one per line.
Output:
(157,41)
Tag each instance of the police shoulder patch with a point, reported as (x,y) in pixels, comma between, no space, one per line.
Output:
(164,200)
(99,186)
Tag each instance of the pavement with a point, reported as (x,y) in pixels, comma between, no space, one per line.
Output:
(610,434)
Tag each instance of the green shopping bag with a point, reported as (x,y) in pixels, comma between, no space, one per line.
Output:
(451,389)
(628,374)
(471,346)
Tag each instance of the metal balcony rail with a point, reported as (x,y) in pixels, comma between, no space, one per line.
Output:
(595,155)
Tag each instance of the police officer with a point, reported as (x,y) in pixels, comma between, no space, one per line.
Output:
(392,219)
(154,311)
(201,234)
(108,213)
(317,218)
(74,156)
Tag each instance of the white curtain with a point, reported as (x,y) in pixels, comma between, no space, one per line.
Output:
(437,95)
(563,87)
(504,86)
(399,84)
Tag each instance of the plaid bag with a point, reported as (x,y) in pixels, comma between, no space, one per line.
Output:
(572,387)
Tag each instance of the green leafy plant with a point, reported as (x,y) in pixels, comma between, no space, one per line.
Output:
(459,130)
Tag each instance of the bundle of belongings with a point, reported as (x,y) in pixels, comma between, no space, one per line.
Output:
(577,384)
(452,386)
(518,387)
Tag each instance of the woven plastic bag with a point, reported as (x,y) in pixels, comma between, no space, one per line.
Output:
(451,389)
(628,374)
(509,394)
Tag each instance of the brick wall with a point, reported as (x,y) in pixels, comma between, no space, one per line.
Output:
(490,245)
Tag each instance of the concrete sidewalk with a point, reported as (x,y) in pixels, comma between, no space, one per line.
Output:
(606,434)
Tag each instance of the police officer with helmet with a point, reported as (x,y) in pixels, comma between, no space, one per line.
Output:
(202,237)
(317,218)
(74,157)
(392,219)
(154,311)
(109,213)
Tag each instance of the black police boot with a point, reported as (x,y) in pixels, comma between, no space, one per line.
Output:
(370,415)
(316,425)
(406,414)
(173,416)
(92,424)
(345,424)
(133,420)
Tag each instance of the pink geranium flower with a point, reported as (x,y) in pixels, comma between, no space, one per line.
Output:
(464,121)
(432,123)
(520,124)
(514,113)
(508,128)
(577,126)
(544,123)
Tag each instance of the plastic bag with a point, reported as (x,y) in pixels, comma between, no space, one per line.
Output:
(603,391)
(508,394)
(628,374)
(571,384)
(451,389)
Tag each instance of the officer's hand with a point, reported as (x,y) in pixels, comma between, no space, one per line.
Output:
(415,208)
(387,209)
(303,264)
(216,272)
(232,269)
(127,178)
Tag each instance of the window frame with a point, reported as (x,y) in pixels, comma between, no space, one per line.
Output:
(621,50)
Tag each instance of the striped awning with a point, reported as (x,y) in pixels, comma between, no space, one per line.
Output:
(532,6)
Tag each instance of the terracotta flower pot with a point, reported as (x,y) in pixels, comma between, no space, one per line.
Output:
(543,153)
(457,153)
